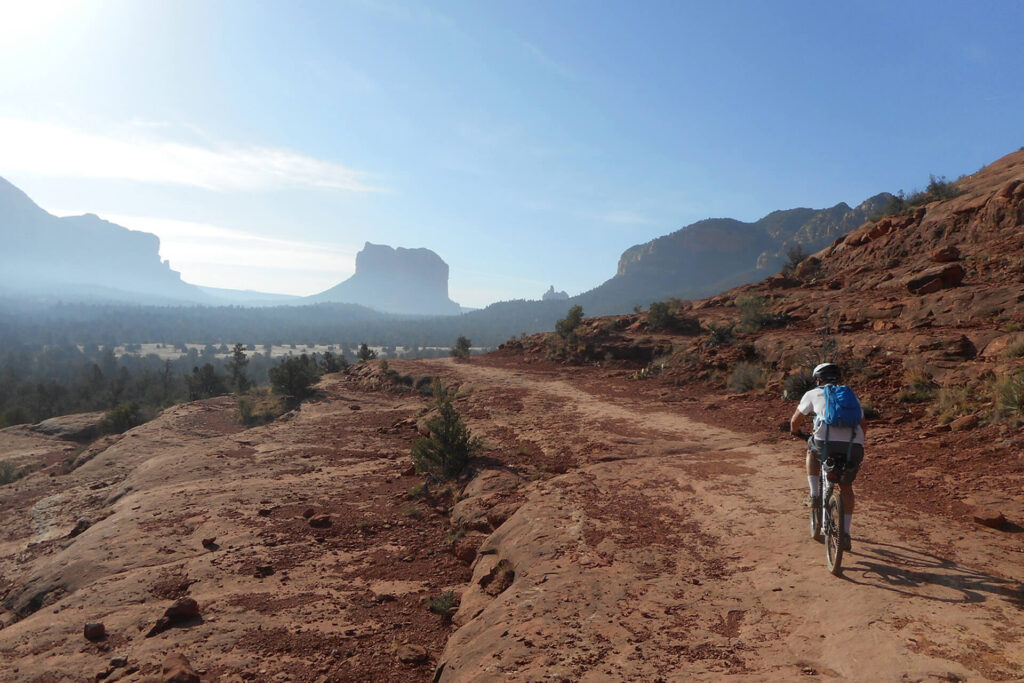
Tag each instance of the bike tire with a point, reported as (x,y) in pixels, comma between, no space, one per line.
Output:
(815,522)
(834,534)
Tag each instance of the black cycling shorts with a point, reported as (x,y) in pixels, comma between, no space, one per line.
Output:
(856,457)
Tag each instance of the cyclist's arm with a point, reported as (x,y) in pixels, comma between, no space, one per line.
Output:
(796,422)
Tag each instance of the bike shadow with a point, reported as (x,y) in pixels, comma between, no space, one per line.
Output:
(925,575)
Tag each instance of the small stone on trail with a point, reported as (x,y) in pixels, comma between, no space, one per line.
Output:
(177,669)
(80,526)
(320,521)
(412,654)
(95,631)
(118,662)
(263,571)
(990,518)
(210,543)
(354,407)
(309,513)
(183,609)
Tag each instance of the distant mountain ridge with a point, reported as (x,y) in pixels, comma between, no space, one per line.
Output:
(711,255)
(84,257)
(402,281)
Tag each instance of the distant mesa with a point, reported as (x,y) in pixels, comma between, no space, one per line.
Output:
(402,281)
(552,295)
(82,257)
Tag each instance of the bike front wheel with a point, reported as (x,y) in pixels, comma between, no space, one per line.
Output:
(834,533)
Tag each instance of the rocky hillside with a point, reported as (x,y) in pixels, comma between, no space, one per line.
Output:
(403,281)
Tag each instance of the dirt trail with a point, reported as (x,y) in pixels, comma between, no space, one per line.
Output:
(675,550)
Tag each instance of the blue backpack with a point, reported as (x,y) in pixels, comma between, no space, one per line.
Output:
(842,409)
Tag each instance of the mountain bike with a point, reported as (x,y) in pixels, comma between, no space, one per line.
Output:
(827,518)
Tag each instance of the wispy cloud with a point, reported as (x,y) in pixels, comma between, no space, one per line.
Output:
(626,218)
(547,62)
(151,156)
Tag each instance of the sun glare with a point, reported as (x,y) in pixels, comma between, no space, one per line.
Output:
(23,22)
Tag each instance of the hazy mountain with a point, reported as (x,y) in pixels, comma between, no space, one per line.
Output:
(82,257)
(405,281)
(247,297)
(711,255)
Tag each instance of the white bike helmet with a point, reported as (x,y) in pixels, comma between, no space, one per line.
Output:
(826,372)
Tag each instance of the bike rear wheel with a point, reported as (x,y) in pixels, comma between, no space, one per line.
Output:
(833,524)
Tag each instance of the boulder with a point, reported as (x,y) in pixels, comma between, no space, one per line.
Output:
(944,255)
(77,427)
(963,424)
(95,631)
(408,653)
(934,279)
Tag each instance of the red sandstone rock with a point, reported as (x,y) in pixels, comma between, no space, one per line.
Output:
(95,631)
(934,279)
(963,424)
(183,609)
(944,255)
(412,654)
(990,518)
(320,521)
(177,669)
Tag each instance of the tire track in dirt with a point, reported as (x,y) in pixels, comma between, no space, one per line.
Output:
(678,550)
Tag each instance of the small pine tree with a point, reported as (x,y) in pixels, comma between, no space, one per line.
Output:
(366,353)
(445,454)
(566,327)
(236,365)
(204,382)
(461,348)
(295,376)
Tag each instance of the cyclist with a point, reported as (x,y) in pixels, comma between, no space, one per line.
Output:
(839,442)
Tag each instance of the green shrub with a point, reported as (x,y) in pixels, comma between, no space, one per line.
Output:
(566,327)
(8,472)
(746,376)
(121,419)
(444,605)
(258,407)
(204,382)
(295,376)
(424,385)
(952,402)
(659,317)
(755,314)
(1008,396)
(918,385)
(720,335)
(445,453)
(797,383)
(461,348)
(794,256)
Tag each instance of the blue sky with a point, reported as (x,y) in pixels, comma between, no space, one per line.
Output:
(527,143)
